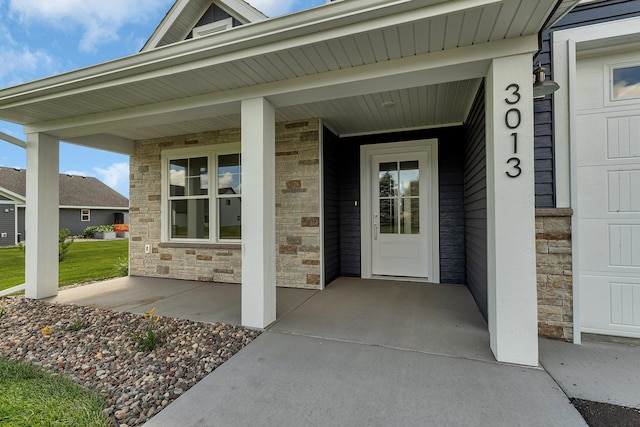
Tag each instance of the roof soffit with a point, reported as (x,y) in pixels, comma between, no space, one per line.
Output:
(165,71)
(249,40)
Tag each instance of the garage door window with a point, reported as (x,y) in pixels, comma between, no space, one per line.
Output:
(625,83)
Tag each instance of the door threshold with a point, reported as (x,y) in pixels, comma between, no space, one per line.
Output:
(401,278)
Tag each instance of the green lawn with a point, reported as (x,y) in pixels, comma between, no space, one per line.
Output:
(85,262)
(31,397)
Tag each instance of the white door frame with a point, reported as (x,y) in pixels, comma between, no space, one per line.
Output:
(366,154)
(566,45)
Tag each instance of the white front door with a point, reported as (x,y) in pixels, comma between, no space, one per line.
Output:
(608,184)
(400,215)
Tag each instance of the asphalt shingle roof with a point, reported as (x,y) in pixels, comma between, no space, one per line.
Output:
(75,190)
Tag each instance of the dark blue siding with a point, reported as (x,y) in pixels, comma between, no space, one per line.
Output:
(475,203)
(451,151)
(331,205)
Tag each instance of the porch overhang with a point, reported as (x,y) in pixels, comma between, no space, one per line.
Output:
(307,64)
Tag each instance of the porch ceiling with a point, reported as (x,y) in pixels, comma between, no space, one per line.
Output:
(362,51)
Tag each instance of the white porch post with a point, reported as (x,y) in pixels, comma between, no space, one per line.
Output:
(512,292)
(258,214)
(42,216)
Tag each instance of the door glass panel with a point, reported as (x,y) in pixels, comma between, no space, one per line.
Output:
(388,176)
(388,216)
(409,178)
(410,215)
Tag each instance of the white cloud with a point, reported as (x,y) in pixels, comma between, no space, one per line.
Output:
(225,180)
(99,20)
(20,63)
(624,90)
(115,176)
(273,7)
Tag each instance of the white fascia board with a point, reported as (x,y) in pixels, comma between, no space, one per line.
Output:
(462,63)
(96,208)
(306,27)
(13,140)
(15,197)
(164,26)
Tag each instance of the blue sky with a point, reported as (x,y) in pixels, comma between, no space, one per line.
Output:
(40,38)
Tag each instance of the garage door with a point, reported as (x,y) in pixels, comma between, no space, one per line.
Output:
(608,185)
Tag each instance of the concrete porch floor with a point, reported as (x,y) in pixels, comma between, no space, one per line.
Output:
(429,318)
(360,353)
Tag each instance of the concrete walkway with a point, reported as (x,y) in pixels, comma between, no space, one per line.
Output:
(602,369)
(360,353)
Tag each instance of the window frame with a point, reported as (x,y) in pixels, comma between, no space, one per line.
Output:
(211,152)
(82,215)
(610,100)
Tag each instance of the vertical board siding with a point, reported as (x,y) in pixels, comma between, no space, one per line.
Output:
(591,13)
(331,205)
(451,194)
(475,203)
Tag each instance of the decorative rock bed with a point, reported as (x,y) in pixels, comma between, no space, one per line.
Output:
(96,348)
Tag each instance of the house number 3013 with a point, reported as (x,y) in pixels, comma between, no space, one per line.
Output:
(513,119)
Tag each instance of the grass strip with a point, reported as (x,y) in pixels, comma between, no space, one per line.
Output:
(31,397)
(85,262)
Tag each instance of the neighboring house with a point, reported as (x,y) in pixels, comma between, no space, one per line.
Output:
(84,201)
(366,138)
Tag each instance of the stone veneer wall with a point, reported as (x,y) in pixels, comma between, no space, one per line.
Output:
(554,273)
(297,212)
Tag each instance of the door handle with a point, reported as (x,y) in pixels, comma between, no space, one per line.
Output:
(375,231)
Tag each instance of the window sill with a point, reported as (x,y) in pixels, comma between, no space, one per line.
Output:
(232,246)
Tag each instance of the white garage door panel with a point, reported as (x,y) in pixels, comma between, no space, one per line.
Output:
(608,136)
(624,191)
(608,202)
(621,185)
(621,312)
(609,247)
(591,131)
(623,137)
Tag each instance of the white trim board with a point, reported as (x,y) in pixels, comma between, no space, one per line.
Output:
(366,154)
(567,44)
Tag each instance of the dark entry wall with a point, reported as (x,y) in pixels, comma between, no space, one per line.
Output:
(475,202)
(342,219)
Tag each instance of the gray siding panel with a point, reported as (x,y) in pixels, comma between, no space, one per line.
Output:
(70,218)
(591,13)
(475,203)
(7,224)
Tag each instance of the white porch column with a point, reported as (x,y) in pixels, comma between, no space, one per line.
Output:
(42,216)
(258,213)
(512,293)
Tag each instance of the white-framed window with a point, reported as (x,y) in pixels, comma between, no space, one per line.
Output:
(202,194)
(85,214)
(624,82)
